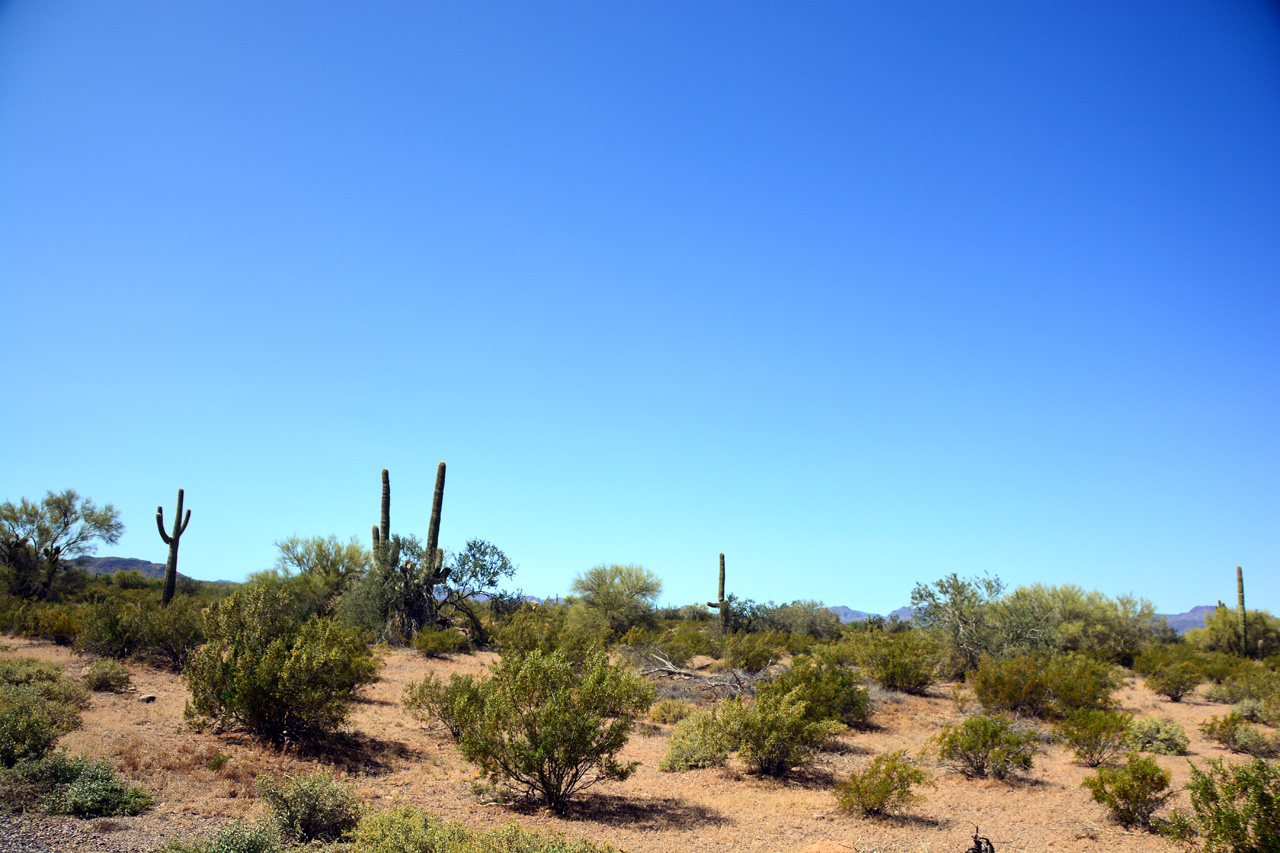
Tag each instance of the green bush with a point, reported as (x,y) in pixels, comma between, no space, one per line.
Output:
(550,728)
(670,711)
(1235,733)
(986,746)
(829,692)
(752,652)
(435,642)
(275,678)
(130,579)
(236,837)
(165,637)
(405,829)
(1250,680)
(112,628)
(20,671)
(905,662)
(1235,808)
(544,628)
(1095,736)
(453,704)
(699,740)
(1259,711)
(774,733)
(883,787)
(1133,792)
(1159,735)
(310,807)
(59,784)
(107,676)
(1050,688)
(1175,680)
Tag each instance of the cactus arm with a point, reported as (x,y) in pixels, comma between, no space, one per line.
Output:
(433,528)
(185,522)
(385,518)
(160,524)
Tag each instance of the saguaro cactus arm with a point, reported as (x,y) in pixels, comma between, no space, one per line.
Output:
(436,564)
(171,565)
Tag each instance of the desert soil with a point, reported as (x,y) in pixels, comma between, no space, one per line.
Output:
(392,758)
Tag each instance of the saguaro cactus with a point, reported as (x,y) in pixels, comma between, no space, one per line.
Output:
(171,565)
(1244,646)
(433,528)
(722,605)
(383,535)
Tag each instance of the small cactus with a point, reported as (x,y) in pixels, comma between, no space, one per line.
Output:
(171,565)
(722,604)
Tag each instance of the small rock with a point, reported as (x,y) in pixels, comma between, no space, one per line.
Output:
(148,697)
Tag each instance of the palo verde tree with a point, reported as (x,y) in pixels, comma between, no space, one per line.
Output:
(619,597)
(41,543)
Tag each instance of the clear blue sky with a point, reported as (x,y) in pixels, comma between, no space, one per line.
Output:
(859,294)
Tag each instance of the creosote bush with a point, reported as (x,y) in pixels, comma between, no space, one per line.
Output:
(435,642)
(407,830)
(986,746)
(37,706)
(1051,688)
(752,652)
(310,807)
(774,734)
(699,740)
(1235,733)
(906,662)
(453,704)
(1235,808)
(1159,735)
(884,786)
(235,837)
(1095,736)
(1175,680)
(107,676)
(59,784)
(1133,792)
(830,692)
(550,728)
(276,678)
(670,711)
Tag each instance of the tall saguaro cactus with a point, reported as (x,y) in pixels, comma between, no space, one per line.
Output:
(436,565)
(171,565)
(722,604)
(383,535)
(1244,646)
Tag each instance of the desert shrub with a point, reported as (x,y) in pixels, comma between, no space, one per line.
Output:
(28,671)
(550,728)
(275,678)
(774,733)
(310,807)
(1234,808)
(1040,688)
(1175,680)
(545,628)
(405,829)
(829,692)
(683,643)
(235,837)
(1095,736)
(435,642)
(1235,733)
(112,629)
(884,786)
(171,635)
(1250,680)
(59,623)
(107,676)
(60,784)
(670,711)
(30,725)
(699,740)
(799,618)
(986,746)
(1133,792)
(905,662)
(129,579)
(453,704)
(1159,735)
(752,652)
(1259,711)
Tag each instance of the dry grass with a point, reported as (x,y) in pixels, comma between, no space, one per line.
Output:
(392,758)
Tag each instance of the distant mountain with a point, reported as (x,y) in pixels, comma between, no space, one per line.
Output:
(111,565)
(847,614)
(1193,618)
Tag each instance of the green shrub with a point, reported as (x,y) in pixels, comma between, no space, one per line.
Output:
(986,746)
(1133,792)
(1175,680)
(1235,733)
(107,676)
(98,792)
(1259,711)
(699,740)
(774,733)
(883,787)
(59,623)
(1043,688)
(670,711)
(112,628)
(130,579)
(905,662)
(435,642)
(1235,808)
(1095,736)
(752,652)
(172,635)
(544,628)
(275,678)
(310,807)
(59,784)
(453,704)
(1159,735)
(28,671)
(236,837)
(550,728)
(30,724)
(829,692)
(405,829)
(1250,680)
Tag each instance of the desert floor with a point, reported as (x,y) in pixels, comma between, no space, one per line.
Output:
(394,759)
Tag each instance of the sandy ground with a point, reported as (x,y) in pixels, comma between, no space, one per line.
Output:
(395,759)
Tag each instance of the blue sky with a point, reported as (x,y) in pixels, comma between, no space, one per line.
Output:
(858,294)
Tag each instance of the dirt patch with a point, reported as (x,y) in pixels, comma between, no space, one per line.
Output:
(200,780)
